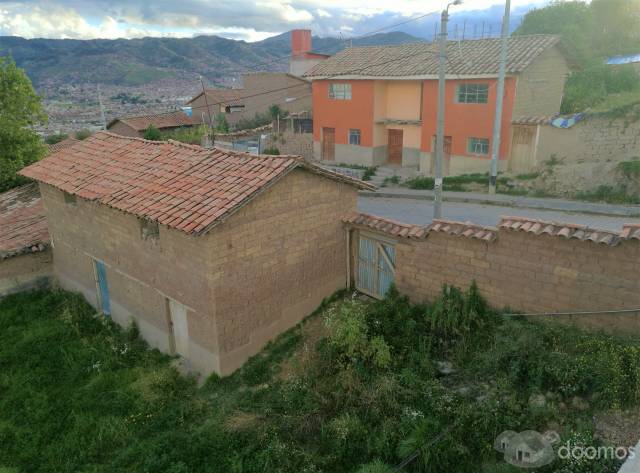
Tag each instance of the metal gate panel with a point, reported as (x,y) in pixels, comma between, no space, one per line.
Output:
(376,266)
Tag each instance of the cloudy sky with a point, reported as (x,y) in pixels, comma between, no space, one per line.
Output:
(237,19)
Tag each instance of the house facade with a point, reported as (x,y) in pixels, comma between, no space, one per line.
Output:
(378,105)
(289,90)
(185,241)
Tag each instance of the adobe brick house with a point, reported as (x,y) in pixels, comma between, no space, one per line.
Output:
(378,105)
(25,256)
(260,90)
(136,126)
(213,253)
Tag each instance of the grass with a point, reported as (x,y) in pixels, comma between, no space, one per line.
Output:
(609,194)
(354,385)
(630,169)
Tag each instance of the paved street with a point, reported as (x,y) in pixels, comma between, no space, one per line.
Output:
(420,212)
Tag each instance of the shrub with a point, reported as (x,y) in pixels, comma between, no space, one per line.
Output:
(271,150)
(152,133)
(83,134)
(369,173)
(57,138)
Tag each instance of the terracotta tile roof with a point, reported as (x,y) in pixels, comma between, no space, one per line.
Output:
(23,226)
(467,230)
(186,187)
(385,225)
(222,96)
(533,120)
(569,231)
(61,145)
(160,121)
(470,57)
(630,231)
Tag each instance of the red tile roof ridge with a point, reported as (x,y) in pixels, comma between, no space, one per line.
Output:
(385,225)
(566,230)
(465,229)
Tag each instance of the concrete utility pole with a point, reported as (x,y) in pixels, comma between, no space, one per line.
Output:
(209,141)
(437,189)
(497,124)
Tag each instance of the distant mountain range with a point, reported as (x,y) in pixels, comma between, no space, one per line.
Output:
(56,62)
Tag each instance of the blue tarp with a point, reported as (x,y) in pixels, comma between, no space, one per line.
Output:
(629,59)
(566,122)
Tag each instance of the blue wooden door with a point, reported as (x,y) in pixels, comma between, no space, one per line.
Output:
(103,288)
(376,266)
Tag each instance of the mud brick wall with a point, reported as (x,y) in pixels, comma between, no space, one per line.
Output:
(26,271)
(528,272)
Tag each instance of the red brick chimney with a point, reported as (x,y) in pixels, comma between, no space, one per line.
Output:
(300,42)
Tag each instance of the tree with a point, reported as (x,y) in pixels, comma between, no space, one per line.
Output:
(152,133)
(222,125)
(20,111)
(276,112)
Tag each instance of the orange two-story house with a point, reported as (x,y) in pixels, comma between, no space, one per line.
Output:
(378,105)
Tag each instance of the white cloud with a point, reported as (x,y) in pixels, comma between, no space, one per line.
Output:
(323,13)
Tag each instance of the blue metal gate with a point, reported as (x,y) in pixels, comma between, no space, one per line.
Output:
(103,287)
(376,266)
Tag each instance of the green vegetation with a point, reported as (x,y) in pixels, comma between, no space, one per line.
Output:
(20,111)
(191,135)
(591,32)
(528,176)
(222,125)
(55,138)
(125,98)
(271,150)
(369,172)
(357,387)
(259,119)
(83,134)
(630,169)
(454,183)
(152,133)
(619,194)
(275,112)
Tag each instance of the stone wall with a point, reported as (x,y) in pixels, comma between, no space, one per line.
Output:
(254,276)
(26,271)
(579,158)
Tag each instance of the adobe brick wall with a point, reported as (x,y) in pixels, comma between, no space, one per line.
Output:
(526,272)
(123,129)
(27,271)
(300,144)
(286,253)
(540,87)
(250,278)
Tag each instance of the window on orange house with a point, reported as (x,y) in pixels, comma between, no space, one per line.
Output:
(354,137)
(478,145)
(472,93)
(340,91)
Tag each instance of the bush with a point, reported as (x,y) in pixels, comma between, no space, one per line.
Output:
(57,138)
(83,134)
(152,133)
(271,150)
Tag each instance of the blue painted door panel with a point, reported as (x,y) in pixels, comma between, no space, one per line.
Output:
(375,274)
(103,287)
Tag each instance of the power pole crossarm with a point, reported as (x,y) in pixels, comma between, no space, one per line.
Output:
(497,124)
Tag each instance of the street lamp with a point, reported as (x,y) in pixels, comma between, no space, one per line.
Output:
(437,189)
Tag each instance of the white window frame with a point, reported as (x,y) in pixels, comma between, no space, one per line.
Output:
(355,133)
(340,91)
(474,142)
(474,95)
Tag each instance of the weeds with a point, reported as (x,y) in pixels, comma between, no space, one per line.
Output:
(609,194)
(80,394)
